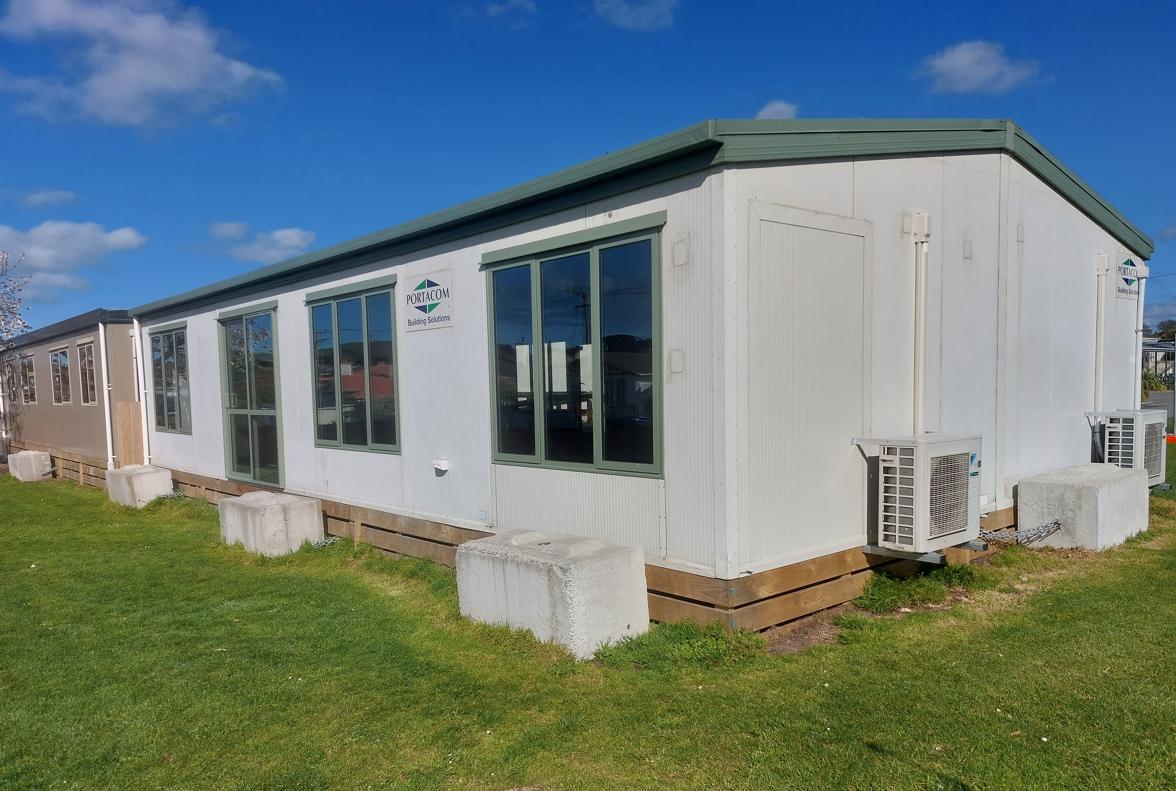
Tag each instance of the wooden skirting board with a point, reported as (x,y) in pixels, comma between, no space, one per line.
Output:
(757,601)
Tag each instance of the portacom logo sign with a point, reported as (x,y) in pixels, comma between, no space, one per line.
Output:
(429,305)
(1128,285)
(427,296)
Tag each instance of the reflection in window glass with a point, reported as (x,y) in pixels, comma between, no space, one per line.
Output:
(355,370)
(327,414)
(86,368)
(567,349)
(626,335)
(242,460)
(183,392)
(28,381)
(381,371)
(59,374)
(259,330)
(352,371)
(513,343)
(265,435)
(236,360)
(169,380)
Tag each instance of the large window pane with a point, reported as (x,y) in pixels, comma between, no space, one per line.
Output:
(381,368)
(265,435)
(236,358)
(567,348)
(352,371)
(513,341)
(627,361)
(240,451)
(89,389)
(157,379)
(327,412)
(259,330)
(184,416)
(169,381)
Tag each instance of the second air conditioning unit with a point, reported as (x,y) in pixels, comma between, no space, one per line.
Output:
(1134,439)
(928,491)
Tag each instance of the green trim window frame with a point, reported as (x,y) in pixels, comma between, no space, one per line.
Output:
(356,385)
(59,374)
(169,380)
(251,394)
(86,369)
(591,400)
(28,380)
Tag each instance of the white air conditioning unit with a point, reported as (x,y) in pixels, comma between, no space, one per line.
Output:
(928,491)
(1134,439)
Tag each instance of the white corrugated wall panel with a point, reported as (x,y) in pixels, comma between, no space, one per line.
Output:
(616,508)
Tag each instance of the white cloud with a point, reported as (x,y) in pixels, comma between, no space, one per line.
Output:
(47,197)
(1167,234)
(130,62)
(778,108)
(976,67)
(56,253)
(637,15)
(269,247)
(228,230)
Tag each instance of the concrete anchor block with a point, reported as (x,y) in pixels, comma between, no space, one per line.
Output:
(578,592)
(137,485)
(1098,505)
(30,465)
(270,523)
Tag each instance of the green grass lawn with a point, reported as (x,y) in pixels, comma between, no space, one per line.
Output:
(136,652)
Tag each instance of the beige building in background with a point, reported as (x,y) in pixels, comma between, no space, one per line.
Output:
(71,386)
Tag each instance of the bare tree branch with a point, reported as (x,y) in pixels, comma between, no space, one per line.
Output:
(12,323)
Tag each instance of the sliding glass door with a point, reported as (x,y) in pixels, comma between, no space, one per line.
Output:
(251,398)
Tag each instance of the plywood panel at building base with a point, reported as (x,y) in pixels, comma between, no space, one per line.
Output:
(128,433)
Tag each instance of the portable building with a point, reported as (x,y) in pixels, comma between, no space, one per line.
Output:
(70,388)
(675,346)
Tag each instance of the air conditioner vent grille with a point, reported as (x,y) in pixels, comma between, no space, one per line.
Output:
(897,503)
(949,495)
(1153,446)
(1120,441)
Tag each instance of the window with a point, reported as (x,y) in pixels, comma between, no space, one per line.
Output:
(86,366)
(28,380)
(588,395)
(59,368)
(11,382)
(169,381)
(354,360)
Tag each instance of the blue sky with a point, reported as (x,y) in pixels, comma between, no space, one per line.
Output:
(151,146)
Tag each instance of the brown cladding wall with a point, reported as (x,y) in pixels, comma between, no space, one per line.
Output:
(76,427)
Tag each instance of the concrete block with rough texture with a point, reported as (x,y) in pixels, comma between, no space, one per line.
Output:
(270,523)
(137,485)
(1098,505)
(30,465)
(578,592)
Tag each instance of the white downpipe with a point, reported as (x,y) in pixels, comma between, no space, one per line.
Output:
(1142,274)
(141,378)
(1101,267)
(921,231)
(4,387)
(106,396)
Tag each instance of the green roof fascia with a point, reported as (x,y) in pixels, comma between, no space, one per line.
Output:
(768,141)
(690,150)
(1050,169)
